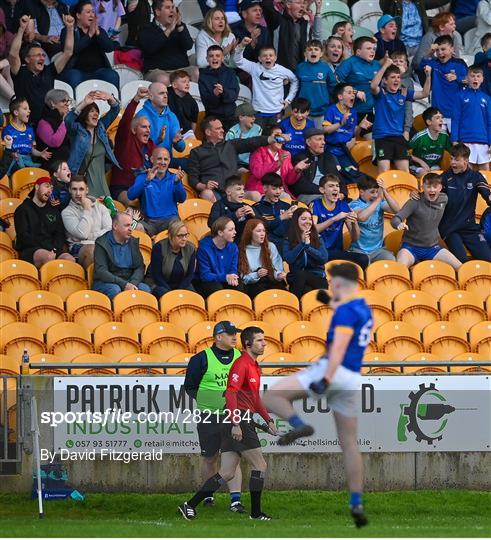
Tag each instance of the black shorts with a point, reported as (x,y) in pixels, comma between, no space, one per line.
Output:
(210,436)
(390,148)
(249,441)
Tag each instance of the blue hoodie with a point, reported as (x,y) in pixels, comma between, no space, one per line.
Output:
(443,92)
(214,263)
(317,80)
(471,117)
(305,257)
(158,121)
(359,73)
(159,197)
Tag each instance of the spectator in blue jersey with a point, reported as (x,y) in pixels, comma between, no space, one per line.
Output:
(23,137)
(245,128)
(218,258)
(458,227)
(359,70)
(448,73)
(373,202)
(251,12)
(330,215)
(465,13)
(159,192)
(173,261)
(390,109)
(316,79)
(471,119)
(165,130)
(341,127)
(296,124)
(483,59)
(275,213)
(305,253)
(401,60)
(232,206)
(387,40)
(218,87)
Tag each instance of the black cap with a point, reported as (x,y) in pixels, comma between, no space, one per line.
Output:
(246,4)
(225,327)
(311,132)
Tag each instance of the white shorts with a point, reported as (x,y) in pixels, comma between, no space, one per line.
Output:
(343,392)
(479,153)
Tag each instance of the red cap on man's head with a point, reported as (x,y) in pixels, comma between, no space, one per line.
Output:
(43,180)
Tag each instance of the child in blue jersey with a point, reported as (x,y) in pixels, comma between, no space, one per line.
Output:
(358,71)
(390,111)
(330,215)
(24,144)
(296,124)
(317,80)
(336,376)
(483,59)
(447,76)
(369,208)
(471,119)
(341,126)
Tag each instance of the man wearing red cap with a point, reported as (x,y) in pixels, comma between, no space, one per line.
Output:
(39,227)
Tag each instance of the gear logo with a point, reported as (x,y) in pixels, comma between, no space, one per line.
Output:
(423,415)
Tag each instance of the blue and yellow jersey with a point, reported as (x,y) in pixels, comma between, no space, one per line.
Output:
(352,317)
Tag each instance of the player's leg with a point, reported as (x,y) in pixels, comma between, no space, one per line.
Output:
(445,256)
(405,257)
(235,488)
(347,433)
(258,465)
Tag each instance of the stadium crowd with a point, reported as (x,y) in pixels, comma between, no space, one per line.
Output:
(278,170)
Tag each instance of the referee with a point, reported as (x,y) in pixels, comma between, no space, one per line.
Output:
(206,382)
(239,435)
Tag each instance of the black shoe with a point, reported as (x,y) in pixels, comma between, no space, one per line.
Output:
(294,434)
(238,508)
(188,512)
(261,517)
(358,514)
(209,501)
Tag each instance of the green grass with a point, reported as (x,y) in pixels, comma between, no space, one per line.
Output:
(296,513)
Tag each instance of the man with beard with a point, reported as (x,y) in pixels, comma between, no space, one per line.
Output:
(132,148)
(39,227)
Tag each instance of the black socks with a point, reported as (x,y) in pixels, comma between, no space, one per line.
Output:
(207,489)
(256,485)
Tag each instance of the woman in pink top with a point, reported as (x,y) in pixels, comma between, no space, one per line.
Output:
(271,159)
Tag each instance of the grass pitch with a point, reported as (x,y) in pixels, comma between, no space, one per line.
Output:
(295,513)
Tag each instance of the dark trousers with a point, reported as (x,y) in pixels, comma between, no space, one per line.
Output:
(303,281)
(253,289)
(358,258)
(473,240)
(205,288)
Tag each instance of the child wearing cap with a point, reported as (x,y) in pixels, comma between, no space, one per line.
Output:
(245,128)
(387,40)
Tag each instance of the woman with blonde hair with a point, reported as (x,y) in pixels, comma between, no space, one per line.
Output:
(215,31)
(260,264)
(173,261)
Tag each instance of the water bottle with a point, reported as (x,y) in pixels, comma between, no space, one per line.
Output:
(109,204)
(24,367)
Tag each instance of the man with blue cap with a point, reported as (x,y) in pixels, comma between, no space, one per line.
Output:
(387,40)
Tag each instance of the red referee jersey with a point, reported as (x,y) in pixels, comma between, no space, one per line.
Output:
(244,383)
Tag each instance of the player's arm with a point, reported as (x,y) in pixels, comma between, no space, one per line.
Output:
(337,350)
(236,378)
(195,370)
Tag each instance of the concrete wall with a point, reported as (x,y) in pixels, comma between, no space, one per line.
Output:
(178,472)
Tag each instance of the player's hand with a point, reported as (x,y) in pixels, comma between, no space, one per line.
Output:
(361,95)
(319,387)
(211,184)
(141,93)
(365,123)
(402,227)
(236,433)
(272,428)
(8,140)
